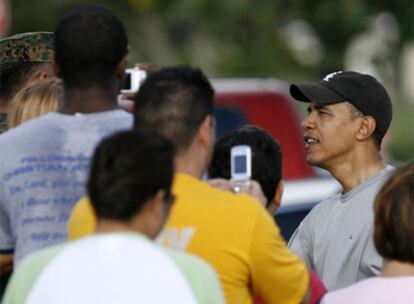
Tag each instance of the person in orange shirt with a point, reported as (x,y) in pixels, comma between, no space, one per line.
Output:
(234,233)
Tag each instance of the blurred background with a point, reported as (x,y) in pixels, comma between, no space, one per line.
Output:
(292,40)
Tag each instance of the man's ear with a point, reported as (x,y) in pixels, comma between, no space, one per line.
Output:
(366,128)
(205,132)
(155,205)
(277,199)
(152,216)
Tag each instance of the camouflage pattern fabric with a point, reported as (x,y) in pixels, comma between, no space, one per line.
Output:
(34,47)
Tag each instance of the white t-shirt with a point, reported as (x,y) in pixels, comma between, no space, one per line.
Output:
(111,268)
(114,267)
(378,290)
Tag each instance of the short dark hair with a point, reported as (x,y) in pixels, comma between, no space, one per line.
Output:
(266,157)
(394,216)
(174,101)
(14,75)
(127,170)
(89,42)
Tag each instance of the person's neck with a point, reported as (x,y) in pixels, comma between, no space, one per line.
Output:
(114,226)
(392,268)
(88,100)
(188,163)
(356,168)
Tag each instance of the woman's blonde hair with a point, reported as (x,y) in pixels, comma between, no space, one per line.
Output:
(34,100)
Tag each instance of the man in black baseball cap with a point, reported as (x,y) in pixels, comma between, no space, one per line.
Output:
(349,113)
(363,91)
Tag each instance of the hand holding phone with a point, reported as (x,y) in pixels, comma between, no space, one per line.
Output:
(250,187)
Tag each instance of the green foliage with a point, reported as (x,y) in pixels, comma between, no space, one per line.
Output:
(244,35)
(239,38)
(402,132)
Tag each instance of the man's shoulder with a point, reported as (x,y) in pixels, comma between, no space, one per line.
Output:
(363,195)
(45,134)
(23,140)
(40,258)
(191,187)
(28,271)
(325,205)
(320,215)
(112,114)
(45,124)
(119,119)
(212,214)
(26,129)
(225,205)
(200,275)
(353,201)
(119,113)
(378,180)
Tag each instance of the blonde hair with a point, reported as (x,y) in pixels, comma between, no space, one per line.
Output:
(34,100)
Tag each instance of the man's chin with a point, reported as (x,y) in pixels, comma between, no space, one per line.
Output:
(312,161)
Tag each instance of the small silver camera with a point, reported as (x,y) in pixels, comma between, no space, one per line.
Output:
(133,80)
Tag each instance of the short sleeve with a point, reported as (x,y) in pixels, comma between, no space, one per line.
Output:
(200,276)
(371,261)
(300,243)
(212,288)
(26,274)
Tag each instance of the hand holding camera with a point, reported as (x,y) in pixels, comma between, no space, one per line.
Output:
(134,77)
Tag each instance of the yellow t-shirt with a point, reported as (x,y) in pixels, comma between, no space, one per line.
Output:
(233,233)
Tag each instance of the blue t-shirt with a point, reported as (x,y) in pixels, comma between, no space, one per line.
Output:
(43,169)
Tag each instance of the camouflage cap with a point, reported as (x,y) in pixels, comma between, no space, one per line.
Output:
(34,47)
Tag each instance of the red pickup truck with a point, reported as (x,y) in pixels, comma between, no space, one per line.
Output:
(267,104)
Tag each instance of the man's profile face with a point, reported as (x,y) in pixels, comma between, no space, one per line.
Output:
(329,134)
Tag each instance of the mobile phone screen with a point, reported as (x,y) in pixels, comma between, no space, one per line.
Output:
(240,162)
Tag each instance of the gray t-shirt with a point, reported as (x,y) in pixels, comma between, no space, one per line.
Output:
(43,169)
(336,237)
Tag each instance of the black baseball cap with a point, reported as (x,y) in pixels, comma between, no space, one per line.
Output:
(363,91)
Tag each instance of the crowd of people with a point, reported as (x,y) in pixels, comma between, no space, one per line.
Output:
(100,205)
